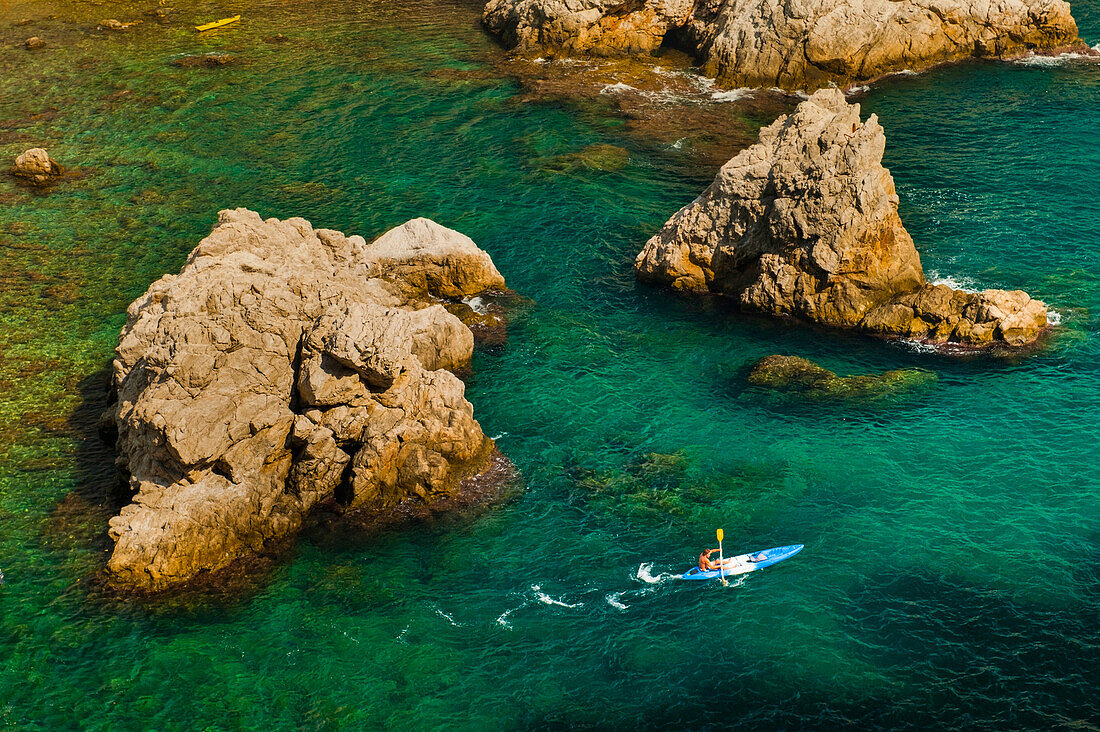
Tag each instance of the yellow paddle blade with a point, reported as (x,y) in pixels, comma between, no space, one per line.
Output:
(719,535)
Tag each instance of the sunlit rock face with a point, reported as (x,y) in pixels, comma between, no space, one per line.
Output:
(805,223)
(793,44)
(286,367)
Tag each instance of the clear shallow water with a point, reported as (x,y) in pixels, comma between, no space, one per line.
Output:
(951,567)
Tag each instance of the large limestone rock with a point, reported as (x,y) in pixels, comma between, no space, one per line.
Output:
(805,223)
(282,368)
(37,166)
(791,44)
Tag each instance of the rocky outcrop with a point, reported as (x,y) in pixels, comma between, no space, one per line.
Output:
(285,368)
(795,375)
(36,166)
(805,223)
(795,44)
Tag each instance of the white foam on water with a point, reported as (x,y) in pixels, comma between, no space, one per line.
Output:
(502,621)
(731,95)
(853,90)
(497,437)
(477,304)
(446,617)
(704,84)
(1054,317)
(919,346)
(679,144)
(956,283)
(401,636)
(547,600)
(613,601)
(1060,60)
(617,87)
(645,574)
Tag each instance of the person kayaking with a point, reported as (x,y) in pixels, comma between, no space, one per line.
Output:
(704,561)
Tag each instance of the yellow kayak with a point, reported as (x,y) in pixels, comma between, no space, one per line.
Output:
(217,23)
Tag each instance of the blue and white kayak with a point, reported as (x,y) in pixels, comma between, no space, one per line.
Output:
(744,563)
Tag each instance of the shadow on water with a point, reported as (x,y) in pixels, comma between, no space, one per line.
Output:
(79,520)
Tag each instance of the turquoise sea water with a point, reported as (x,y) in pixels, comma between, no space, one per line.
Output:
(950,573)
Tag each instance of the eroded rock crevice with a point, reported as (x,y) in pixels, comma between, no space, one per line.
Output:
(285,368)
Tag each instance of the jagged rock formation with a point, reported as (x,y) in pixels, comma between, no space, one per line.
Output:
(805,223)
(801,376)
(286,367)
(596,27)
(794,44)
(37,166)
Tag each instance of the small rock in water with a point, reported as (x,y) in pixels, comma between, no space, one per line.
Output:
(112,24)
(206,60)
(37,166)
(33,42)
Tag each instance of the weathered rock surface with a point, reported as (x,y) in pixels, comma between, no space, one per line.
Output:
(791,44)
(286,367)
(37,166)
(596,27)
(33,42)
(805,223)
(801,376)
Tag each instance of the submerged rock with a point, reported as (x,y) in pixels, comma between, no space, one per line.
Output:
(602,157)
(286,368)
(204,60)
(37,166)
(791,45)
(805,223)
(802,376)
